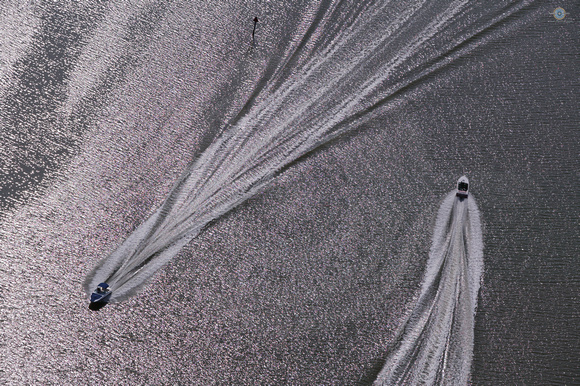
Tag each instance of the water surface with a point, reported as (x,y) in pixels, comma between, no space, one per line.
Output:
(308,280)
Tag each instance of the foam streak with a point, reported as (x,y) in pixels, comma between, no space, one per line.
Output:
(435,346)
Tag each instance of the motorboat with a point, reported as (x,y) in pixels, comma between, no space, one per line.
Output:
(462,187)
(100,296)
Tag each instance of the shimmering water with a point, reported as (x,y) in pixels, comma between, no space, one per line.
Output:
(307,281)
(359,69)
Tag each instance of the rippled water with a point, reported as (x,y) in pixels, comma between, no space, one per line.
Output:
(104,105)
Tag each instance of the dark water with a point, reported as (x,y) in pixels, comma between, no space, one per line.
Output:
(105,104)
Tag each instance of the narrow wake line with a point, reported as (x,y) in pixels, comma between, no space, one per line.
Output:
(296,115)
(435,345)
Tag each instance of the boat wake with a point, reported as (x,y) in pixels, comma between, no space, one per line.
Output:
(323,86)
(435,345)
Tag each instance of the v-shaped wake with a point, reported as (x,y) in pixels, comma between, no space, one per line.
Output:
(435,346)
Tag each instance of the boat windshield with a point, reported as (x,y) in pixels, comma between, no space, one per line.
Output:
(462,186)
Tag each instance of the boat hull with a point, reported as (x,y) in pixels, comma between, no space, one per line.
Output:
(100,297)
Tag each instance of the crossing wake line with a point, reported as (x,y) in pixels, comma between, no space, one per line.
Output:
(435,345)
(302,105)
(293,116)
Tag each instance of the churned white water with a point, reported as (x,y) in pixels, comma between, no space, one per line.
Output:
(435,345)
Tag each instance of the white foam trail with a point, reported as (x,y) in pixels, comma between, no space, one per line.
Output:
(435,345)
(293,118)
(19,23)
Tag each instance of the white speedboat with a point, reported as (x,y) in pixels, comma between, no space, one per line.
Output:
(462,187)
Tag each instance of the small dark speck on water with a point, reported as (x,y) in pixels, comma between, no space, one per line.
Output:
(254,30)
